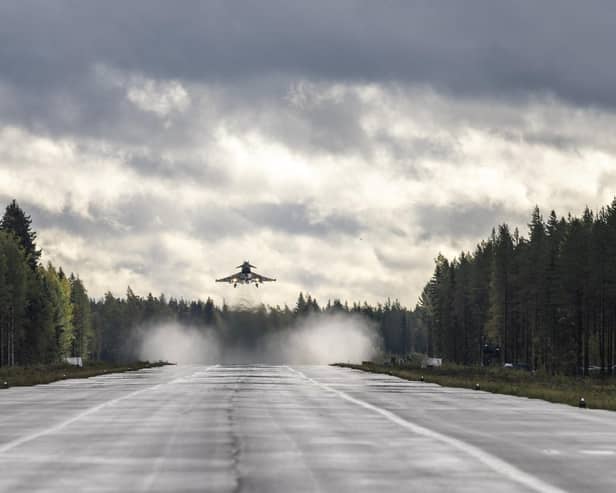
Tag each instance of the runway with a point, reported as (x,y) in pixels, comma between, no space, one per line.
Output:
(293,429)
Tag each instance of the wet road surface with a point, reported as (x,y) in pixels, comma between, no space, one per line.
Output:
(293,429)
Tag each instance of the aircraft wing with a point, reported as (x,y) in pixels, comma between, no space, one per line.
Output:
(261,278)
(232,278)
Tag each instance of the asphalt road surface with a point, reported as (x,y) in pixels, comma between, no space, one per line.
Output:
(293,429)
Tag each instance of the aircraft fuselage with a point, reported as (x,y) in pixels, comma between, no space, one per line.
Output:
(245,276)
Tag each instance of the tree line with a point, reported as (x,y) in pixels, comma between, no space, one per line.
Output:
(119,322)
(44,315)
(47,316)
(547,302)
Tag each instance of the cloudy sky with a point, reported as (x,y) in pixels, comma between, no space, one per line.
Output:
(338,146)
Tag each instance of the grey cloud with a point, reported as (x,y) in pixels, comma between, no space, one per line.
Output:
(463,220)
(147,164)
(140,214)
(308,279)
(216,222)
(249,54)
(479,47)
(329,126)
(555,140)
(130,215)
(133,266)
(398,232)
(400,261)
(143,213)
(66,219)
(412,149)
(296,218)
(560,141)
(79,109)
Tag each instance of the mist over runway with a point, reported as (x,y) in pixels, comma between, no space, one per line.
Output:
(312,340)
(281,428)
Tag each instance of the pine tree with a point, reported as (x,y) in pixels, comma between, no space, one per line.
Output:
(301,306)
(535,290)
(555,230)
(499,322)
(13,299)
(17,222)
(59,289)
(574,259)
(82,319)
(39,343)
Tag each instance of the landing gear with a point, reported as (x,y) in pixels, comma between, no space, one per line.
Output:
(235,285)
(257,284)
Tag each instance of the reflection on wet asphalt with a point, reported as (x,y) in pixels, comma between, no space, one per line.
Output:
(279,428)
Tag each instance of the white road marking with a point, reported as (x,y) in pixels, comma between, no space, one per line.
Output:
(497,465)
(598,452)
(60,426)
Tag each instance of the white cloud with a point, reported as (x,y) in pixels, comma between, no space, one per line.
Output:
(156,97)
(161,97)
(181,218)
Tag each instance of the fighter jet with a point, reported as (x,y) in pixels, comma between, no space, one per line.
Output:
(245,276)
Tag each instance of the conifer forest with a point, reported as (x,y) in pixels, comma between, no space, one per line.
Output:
(46,314)
(545,301)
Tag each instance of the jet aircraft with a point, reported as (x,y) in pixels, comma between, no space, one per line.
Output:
(245,276)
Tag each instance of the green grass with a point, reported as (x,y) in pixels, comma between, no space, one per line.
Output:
(35,375)
(599,392)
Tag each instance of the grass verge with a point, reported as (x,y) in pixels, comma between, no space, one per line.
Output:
(598,392)
(34,375)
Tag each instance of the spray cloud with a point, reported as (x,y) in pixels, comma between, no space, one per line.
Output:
(316,339)
(177,343)
(324,339)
